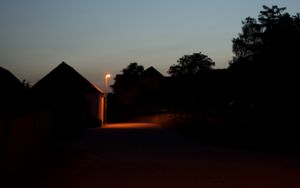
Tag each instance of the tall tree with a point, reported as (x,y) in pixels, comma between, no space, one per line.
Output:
(129,76)
(191,65)
(133,69)
(266,54)
(269,39)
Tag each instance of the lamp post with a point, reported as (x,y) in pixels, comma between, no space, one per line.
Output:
(107,76)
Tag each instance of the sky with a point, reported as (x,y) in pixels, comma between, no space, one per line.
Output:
(96,37)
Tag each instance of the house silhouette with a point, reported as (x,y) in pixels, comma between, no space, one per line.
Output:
(144,95)
(12,93)
(73,100)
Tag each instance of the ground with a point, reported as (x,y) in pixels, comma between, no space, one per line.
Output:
(146,155)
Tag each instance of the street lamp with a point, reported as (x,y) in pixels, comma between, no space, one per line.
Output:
(107,76)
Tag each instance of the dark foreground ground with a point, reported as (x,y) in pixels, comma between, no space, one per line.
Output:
(146,155)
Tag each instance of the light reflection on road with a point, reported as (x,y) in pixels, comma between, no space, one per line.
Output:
(131,126)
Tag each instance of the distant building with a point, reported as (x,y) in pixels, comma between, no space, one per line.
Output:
(72,98)
(145,94)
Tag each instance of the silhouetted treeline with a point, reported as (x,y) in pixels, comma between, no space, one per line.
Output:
(261,77)
(254,101)
(266,55)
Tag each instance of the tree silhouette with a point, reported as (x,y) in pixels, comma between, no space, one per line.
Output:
(266,53)
(269,39)
(133,69)
(26,84)
(129,76)
(191,65)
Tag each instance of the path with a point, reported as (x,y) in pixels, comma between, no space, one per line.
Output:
(145,155)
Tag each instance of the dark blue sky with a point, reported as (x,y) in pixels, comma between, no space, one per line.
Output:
(99,36)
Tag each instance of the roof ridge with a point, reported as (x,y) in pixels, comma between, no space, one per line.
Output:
(62,71)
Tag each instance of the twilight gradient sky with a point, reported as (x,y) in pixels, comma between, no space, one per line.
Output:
(99,36)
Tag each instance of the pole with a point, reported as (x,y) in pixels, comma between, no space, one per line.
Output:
(105,99)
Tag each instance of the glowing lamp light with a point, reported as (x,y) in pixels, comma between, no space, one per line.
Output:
(107,76)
